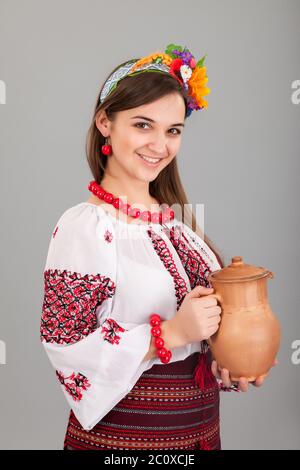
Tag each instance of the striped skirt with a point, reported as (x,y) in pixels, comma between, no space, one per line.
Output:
(165,410)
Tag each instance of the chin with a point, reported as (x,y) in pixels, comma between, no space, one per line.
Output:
(148,179)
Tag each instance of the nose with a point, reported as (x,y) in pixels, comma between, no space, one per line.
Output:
(158,146)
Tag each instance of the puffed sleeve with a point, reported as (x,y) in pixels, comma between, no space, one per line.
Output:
(199,261)
(96,359)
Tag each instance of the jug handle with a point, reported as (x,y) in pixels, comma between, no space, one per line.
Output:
(220,300)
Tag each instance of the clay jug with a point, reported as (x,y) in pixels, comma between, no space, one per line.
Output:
(248,337)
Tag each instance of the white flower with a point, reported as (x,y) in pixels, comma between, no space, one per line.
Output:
(185,72)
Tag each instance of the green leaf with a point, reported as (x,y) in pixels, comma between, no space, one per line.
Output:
(171,47)
(200,62)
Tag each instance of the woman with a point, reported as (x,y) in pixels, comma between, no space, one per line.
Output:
(127,310)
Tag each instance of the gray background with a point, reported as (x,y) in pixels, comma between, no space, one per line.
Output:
(240,159)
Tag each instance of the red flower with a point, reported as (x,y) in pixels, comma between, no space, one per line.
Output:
(176,64)
(175,69)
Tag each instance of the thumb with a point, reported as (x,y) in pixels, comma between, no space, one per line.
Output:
(200,290)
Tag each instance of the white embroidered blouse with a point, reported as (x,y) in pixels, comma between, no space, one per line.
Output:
(102,280)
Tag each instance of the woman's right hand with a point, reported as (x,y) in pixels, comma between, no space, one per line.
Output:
(198,317)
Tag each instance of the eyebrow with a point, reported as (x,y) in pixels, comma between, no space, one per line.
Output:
(151,120)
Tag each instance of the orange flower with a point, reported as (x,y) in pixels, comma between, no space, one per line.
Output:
(197,86)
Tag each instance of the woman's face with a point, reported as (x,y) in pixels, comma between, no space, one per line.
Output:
(153,130)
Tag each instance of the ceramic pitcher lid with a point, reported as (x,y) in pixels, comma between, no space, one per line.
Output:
(240,271)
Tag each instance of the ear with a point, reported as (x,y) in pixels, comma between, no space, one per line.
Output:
(103,123)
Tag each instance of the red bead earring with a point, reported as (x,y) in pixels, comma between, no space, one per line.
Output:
(106,148)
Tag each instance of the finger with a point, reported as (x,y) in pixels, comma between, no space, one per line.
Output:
(211,330)
(225,377)
(212,313)
(243,384)
(198,291)
(214,369)
(214,323)
(207,301)
(258,382)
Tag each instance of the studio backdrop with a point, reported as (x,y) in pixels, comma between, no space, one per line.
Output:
(239,159)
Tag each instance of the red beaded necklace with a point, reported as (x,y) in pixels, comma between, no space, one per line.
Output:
(146,216)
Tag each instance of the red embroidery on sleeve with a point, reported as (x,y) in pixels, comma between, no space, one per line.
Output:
(70,303)
(110,327)
(74,384)
(54,233)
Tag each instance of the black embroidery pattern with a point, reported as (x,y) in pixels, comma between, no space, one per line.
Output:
(74,384)
(70,302)
(110,328)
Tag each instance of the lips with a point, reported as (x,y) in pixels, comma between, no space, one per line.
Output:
(147,159)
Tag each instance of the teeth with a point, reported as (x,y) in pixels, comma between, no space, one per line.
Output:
(150,160)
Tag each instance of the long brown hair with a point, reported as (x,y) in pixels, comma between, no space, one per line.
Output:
(131,92)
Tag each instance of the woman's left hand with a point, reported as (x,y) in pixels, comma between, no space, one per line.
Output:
(243,383)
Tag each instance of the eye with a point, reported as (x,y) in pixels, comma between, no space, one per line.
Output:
(175,129)
(138,124)
(141,124)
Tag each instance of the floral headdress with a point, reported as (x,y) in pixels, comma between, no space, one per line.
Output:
(178,62)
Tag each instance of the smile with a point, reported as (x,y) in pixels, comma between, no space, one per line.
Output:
(150,161)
